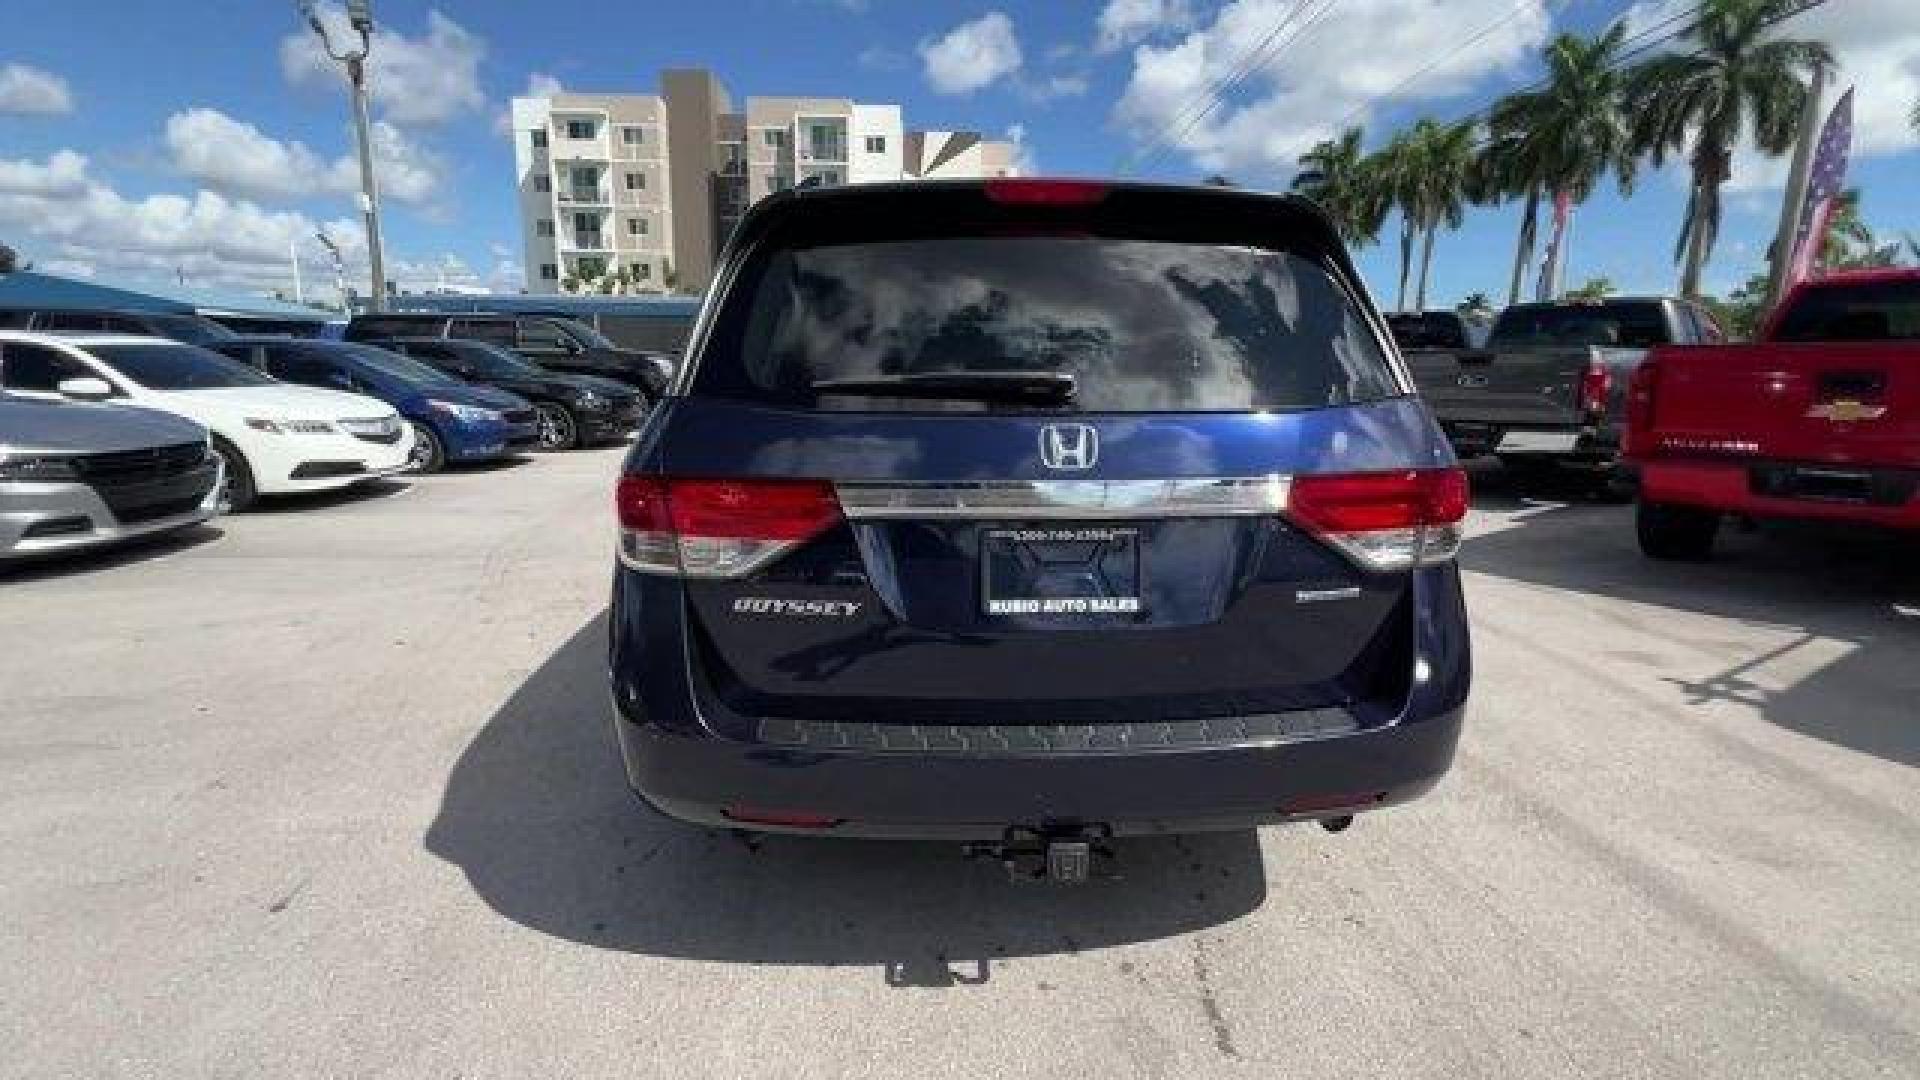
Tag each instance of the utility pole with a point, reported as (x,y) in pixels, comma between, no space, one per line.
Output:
(293,256)
(360,17)
(1791,204)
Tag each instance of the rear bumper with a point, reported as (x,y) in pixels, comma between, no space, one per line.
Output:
(1584,444)
(979,797)
(978,792)
(1727,487)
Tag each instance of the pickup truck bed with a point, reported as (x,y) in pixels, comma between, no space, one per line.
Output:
(1820,429)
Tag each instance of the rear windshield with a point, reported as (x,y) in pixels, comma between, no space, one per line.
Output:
(1621,325)
(1875,311)
(1428,331)
(1139,325)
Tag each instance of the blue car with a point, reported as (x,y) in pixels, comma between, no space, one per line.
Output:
(1032,513)
(453,421)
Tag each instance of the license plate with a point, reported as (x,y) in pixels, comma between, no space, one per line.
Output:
(1061,570)
(1537,442)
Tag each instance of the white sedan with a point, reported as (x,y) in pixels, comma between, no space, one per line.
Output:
(272,437)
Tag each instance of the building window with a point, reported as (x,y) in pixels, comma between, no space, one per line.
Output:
(633,136)
(776,137)
(636,226)
(540,139)
(586,223)
(643,271)
(876,144)
(829,177)
(636,181)
(542,183)
(543,227)
(777,182)
(580,129)
(549,272)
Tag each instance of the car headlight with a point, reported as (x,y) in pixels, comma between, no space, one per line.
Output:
(468,413)
(36,469)
(282,426)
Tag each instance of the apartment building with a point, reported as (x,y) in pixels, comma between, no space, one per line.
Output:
(653,184)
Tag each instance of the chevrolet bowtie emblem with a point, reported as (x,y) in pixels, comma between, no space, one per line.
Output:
(1846,411)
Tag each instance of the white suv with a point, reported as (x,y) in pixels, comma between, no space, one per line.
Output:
(272,437)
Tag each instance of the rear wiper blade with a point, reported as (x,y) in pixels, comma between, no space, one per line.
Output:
(1033,387)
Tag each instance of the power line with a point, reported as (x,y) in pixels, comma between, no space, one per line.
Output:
(1464,45)
(1265,52)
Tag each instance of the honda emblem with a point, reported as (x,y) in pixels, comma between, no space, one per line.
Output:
(1072,447)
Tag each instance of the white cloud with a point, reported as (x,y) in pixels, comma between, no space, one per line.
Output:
(25,89)
(414,81)
(1338,67)
(1057,86)
(972,54)
(1025,161)
(1876,46)
(58,211)
(235,157)
(541,84)
(72,268)
(1123,22)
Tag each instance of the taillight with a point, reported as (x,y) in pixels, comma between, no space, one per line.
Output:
(1596,386)
(718,528)
(1385,520)
(1029,191)
(1640,397)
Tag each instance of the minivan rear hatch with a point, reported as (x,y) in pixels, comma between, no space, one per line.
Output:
(1028,453)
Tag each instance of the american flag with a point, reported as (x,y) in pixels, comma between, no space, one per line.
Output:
(1824,184)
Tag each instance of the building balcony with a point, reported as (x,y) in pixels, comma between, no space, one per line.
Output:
(590,242)
(586,197)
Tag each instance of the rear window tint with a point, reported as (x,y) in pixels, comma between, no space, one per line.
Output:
(1428,331)
(1863,311)
(1141,325)
(1626,325)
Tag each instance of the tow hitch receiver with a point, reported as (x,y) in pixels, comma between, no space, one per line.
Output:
(1066,856)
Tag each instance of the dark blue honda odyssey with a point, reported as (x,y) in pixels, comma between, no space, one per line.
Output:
(1037,511)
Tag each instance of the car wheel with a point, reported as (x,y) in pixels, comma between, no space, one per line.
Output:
(1616,483)
(429,454)
(1677,533)
(555,428)
(236,485)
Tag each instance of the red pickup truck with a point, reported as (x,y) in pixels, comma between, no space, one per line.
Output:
(1818,418)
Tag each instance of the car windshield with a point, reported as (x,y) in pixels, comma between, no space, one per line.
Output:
(189,328)
(585,334)
(161,365)
(494,362)
(1059,322)
(1629,325)
(1863,311)
(393,365)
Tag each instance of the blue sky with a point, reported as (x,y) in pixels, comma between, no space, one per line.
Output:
(142,140)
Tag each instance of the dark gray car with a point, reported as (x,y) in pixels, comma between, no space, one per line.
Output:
(74,475)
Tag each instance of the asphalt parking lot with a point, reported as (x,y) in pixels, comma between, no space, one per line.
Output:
(328,790)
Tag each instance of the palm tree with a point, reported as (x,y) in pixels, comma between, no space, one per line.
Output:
(1850,243)
(1561,138)
(1738,81)
(1445,156)
(1337,176)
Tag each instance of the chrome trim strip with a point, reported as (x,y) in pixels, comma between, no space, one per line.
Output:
(1077,500)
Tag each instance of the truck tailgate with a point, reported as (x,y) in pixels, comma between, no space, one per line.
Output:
(1841,403)
(1527,389)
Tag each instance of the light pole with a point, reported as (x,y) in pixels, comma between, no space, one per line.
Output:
(360,17)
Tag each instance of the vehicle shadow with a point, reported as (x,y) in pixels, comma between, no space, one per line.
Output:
(538,815)
(303,501)
(1827,585)
(138,549)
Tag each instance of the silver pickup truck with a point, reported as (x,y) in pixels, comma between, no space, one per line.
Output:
(1549,388)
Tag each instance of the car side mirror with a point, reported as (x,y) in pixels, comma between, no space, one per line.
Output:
(86,389)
